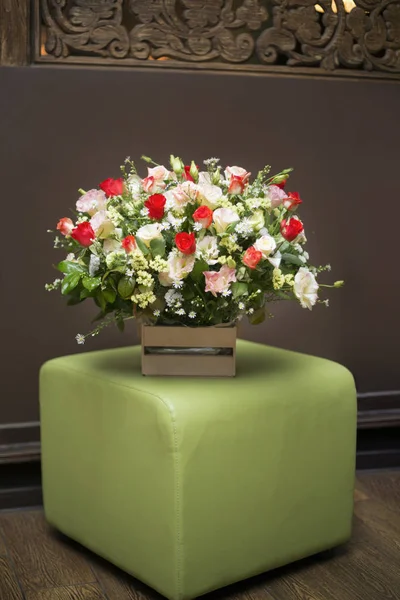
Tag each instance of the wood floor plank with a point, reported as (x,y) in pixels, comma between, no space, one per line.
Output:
(9,588)
(384,487)
(119,585)
(41,559)
(3,549)
(81,592)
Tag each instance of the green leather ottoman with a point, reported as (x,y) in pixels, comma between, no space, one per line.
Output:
(192,484)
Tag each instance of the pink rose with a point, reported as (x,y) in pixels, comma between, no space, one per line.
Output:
(160,173)
(65,226)
(91,202)
(276,195)
(217,282)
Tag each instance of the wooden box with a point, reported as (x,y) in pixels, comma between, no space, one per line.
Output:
(189,351)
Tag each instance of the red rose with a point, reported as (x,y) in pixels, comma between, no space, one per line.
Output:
(84,234)
(252,257)
(186,173)
(291,228)
(65,226)
(112,187)
(281,184)
(292,201)
(128,243)
(203,215)
(186,242)
(155,205)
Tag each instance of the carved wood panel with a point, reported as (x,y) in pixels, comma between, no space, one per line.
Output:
(317,37)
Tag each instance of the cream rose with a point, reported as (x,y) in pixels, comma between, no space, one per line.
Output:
(265,244)
(257,220)
(149,232)
(179,267)
(306,288)
(223,217)
(208,193)
(102,224)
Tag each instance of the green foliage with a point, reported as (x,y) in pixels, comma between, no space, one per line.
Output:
(239,289)
(91,283)
(67,266)
(199,267)
(70,282)
(126,285)
(158,247)
(142,246)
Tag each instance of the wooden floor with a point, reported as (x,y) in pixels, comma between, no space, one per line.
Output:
(36,563)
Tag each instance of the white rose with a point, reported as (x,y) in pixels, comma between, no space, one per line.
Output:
(305,288)
(207,248)
(149,232)
(223,217)
(91,202)
(265,244)
(102,224)
(209,194)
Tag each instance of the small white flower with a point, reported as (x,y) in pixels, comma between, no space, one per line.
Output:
(70,256)
(226,293)
(250,311)
(197,226)
(156,313)
(326,302)
(177,284)
(180,312)
(306,255)
(80,338)
(129,272)
(94,265)
(166,225)
(192,315)
(328,267)
(244,228)
(171,297)
(211,162)
(144,212)
(241,306)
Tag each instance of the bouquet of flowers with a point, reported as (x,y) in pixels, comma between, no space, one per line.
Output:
(186,247)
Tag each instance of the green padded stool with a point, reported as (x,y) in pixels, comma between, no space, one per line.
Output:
(193,484)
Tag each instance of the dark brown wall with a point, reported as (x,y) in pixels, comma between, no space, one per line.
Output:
(65,128)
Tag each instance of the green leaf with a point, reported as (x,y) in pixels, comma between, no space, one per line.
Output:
(101,301)
(84,294)
(291,258)
(91,283)
(231,227)
(121,324)
(188,293)
(109,295)
(142,246)
(257,317)
(70,282)
(67,266)
(283,295)
(158,247)
(239,289)
(126,286)
(198,270)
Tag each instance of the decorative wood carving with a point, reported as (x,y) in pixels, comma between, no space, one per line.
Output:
(253,35)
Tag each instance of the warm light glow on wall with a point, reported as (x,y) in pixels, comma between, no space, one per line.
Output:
(348,6)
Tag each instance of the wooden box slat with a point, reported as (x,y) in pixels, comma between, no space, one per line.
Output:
(188,365)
